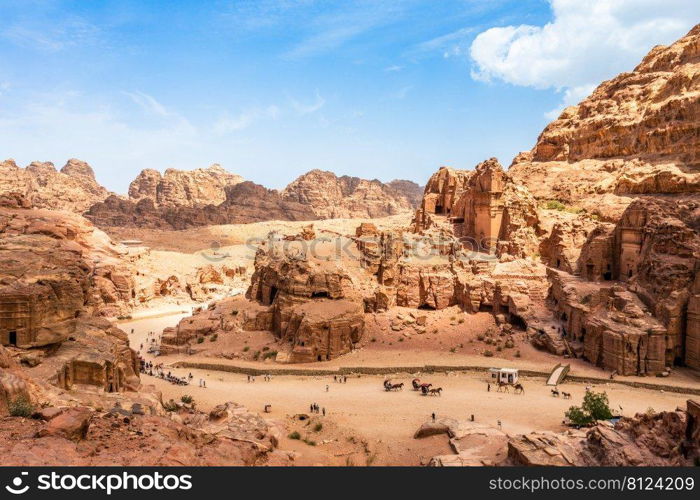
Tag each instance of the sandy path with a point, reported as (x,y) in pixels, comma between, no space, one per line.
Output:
(390,419)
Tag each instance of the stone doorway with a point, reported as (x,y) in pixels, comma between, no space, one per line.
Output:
(13,337)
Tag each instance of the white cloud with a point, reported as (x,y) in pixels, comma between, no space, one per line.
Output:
(148,103)
(304,108)
(227,124)
(393,68)
(585,43)
(52,35)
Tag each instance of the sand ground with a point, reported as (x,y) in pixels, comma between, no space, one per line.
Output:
(365,424)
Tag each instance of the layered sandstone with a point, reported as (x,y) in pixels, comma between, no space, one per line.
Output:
(183,188)
(647,439)
(73,188)
(244,202)
(330,196)
(635,134)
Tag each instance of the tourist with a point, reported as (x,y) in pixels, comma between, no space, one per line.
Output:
(433,415)
(324,411)
(326,387)
(488,387)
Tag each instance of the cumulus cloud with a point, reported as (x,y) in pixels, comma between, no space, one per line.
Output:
(584,44)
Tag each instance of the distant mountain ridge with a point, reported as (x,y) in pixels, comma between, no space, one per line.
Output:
(184,198)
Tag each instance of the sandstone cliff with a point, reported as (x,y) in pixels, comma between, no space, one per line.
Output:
(73,188)
(635,134)
(180,188)
(329,196)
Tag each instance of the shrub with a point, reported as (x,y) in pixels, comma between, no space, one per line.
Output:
(595,407)
(266,348)
(453,349)
(187,399)
(318,427)
(294,435)
(269,354)
(517,353)
(256,355)
(373,339)
(488,354)
(20,407)
(461,320)
(310,442)
(170,406)
(214,337)
(554,205)
(246,348)
(200,340)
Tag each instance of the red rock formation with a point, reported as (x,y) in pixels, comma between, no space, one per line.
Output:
(635,134)
(74,188)
(180,188)
(329,196)
(245,202)
(647,439)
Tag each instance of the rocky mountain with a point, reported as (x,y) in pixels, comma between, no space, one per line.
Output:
(330,196)
(73,188)
(181,188)
(637,134)
(244,202)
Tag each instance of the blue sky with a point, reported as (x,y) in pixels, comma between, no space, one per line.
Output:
(273,88)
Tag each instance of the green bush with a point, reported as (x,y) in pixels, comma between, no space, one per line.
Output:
(246,348)
(595,407)
(20,407)
(554,205)
(269,354)
(318,427)
(187,399)
(488,354)
(294,435)
(200,340)
(310,442)
(214,337)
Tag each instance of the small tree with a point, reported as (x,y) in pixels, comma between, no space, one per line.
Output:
(595,407)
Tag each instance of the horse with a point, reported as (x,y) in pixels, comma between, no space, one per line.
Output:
(435,392)
(416,384)
(555,393)
(502,385)
(566,395)
(519,388)
(396,387)
(424,388)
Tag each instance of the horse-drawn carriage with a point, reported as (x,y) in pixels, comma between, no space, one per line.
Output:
(425,388)
(503,378)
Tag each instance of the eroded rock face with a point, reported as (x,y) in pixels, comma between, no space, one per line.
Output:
(73,188)
(181,188)
(244,202)
(329,196)
(55,267)
(81,436)
(648,439)
(635,134)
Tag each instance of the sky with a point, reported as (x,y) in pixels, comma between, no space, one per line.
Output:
(271,89)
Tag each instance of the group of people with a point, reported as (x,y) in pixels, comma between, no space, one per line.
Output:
(267,378)
(314,408)
(341,379)
(156,370)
